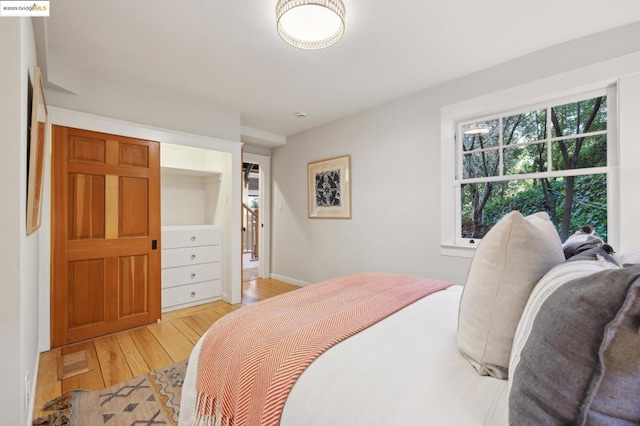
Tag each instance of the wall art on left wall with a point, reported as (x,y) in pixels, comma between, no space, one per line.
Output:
(36,140)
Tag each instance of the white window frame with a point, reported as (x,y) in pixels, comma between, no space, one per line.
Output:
(506,103)
(549,140)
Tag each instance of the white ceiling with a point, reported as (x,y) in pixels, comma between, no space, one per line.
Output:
(229,53)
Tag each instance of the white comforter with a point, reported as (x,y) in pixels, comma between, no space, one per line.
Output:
(404,370)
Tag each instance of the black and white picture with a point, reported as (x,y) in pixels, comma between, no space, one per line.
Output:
(330,188)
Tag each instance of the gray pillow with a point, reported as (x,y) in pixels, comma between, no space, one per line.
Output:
(602,253)
(580,363)
(508,263)
(584,239)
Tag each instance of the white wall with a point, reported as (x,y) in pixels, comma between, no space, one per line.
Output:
(30,249)
(395,166)
(255,149)
(194,188)
(215,170)
(192,159)
(145,105)
(394,178)
(629,164)
(182,199)
(11,119)
(18,253)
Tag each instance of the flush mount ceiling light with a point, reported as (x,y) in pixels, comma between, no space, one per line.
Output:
(310,24)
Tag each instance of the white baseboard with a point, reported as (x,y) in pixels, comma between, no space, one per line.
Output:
(290,280)
(32,393)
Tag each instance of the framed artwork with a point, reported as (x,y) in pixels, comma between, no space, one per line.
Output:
(36,135)
(329,186)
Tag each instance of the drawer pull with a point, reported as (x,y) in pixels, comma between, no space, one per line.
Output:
(193,294)
(193,275)
(193,257)
(193,238)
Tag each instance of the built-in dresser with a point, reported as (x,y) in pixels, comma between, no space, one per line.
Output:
(191,265)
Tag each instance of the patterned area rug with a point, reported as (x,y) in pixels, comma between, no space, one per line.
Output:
(149,399)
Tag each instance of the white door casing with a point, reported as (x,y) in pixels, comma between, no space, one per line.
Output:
(264,230)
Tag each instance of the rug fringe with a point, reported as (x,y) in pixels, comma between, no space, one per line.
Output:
(59,418)
(60,402)
(62,411)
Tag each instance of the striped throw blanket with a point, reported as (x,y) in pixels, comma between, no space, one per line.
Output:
(251,358)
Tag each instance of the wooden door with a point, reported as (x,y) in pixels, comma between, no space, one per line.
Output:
(105,234)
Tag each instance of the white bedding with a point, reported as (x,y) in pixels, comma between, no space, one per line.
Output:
(404,370)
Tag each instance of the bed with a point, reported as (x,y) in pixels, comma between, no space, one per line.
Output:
(504,349)
(384,375)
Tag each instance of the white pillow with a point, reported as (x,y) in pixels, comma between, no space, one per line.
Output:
(630,257)
(509,261)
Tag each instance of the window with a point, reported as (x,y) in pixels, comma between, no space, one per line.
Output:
(551,157)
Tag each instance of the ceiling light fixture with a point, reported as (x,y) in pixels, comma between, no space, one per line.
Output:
(310,24)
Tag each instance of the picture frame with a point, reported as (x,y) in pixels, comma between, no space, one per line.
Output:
(36,137)
(329,188)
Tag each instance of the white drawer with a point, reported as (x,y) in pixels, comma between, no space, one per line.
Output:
(180,275)
(190,236)
(191,293)
(190,256)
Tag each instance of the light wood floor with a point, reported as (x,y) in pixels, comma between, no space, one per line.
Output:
(119,357)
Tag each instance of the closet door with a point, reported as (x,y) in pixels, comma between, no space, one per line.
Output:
(105,234)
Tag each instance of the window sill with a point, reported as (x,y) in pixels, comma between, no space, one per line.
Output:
(457,251)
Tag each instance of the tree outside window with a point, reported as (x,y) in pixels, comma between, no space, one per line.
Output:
(551,159)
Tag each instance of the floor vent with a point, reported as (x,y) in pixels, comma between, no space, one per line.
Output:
(73,364)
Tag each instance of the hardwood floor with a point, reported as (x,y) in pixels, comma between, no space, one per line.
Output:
(118,357)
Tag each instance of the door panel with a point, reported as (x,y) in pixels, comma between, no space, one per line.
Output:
(86,206)
(134,206)
(87,150)
(134,285)
(86,289)
(105,215)
(134,155)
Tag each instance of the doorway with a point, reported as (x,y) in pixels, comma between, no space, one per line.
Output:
(256,220)
(250,221)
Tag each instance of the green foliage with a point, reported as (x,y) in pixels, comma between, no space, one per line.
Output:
(590,204)
(524,150)
(527,196)
(574,118)
(255,202)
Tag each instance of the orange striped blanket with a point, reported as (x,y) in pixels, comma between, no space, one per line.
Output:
(251,358)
